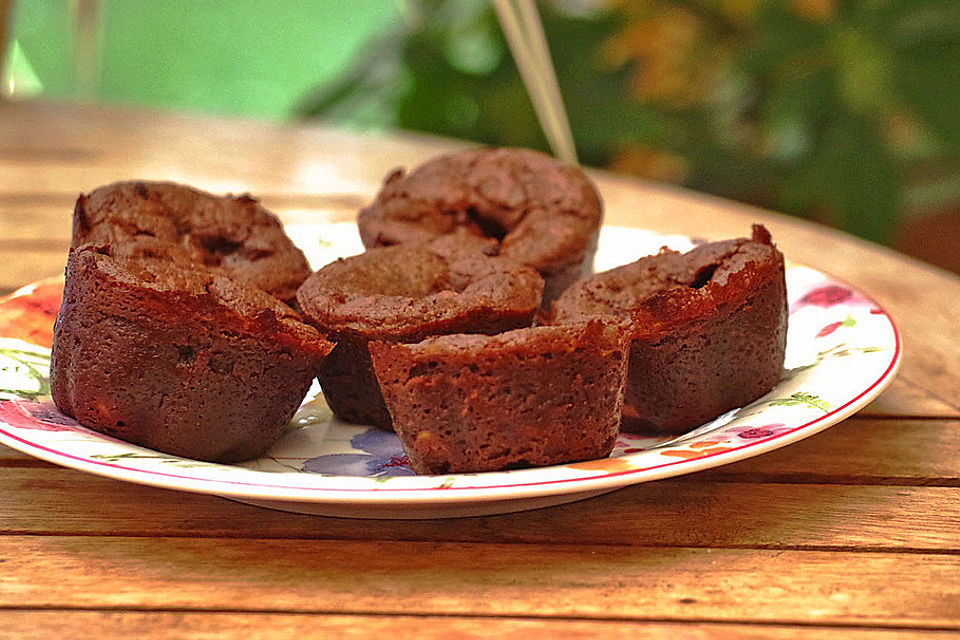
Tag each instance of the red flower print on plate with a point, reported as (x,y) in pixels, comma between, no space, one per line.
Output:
(833,326)
(41,416)
(828,295)
(748,432)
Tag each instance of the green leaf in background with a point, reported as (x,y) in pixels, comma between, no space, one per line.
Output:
(844,112)
(928,80)
(850,177)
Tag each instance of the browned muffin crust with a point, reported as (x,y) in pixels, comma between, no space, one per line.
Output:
(192,227)
(709,328)
(543,213)
(403,294)
(183,360)
(530,397)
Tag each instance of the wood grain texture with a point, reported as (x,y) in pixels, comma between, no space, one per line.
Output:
(59,149)
(862,450)
(23,266)
(668,513)
(25,624)
(582,581)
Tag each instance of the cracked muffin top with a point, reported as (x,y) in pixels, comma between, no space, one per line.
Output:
(190,227)
(542,212)
(670,289)
(407,291)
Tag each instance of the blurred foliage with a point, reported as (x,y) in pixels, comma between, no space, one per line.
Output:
(845,111)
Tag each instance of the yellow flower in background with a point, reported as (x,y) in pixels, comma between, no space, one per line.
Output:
(677,59)
(815,10)
(647,162)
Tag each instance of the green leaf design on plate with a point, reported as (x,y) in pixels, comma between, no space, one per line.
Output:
(838,351)
(177,462)
(802,398)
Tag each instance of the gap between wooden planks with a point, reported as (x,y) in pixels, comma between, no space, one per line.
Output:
(551,581)
(122,624)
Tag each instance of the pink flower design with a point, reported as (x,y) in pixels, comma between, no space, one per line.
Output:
(827,296)
(747,432)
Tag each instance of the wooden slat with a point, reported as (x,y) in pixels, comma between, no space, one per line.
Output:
(904,397)
(32,221)
(24,624)
(13,458)
(69,152)
(28,265)
(670,513)
(582,581)
(862,451)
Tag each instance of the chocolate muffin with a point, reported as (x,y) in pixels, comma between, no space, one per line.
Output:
(191,227)
(404,294)
(531,397)
(708,328)
(542,213)
(181,359)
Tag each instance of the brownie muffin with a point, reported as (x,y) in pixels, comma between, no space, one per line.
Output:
(191,227)
(531,397)
(404,294)
(708,327)
(542,213)
(183,360)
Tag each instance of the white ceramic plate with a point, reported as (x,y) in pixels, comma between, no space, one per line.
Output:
(842,350)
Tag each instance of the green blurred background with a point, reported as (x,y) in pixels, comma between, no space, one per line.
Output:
(845,112)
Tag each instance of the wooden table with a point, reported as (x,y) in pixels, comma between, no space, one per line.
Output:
(855,531)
